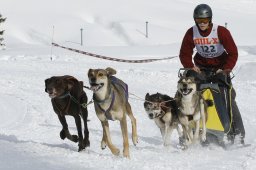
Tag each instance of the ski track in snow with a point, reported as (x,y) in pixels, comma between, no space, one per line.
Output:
(32,134)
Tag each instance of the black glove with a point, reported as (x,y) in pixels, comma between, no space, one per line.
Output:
(225,71)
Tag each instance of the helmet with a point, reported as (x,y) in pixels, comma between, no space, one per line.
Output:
(202,11)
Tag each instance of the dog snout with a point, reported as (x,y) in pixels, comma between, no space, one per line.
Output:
(93,79)
(49,90)
(185,86)
(150,115)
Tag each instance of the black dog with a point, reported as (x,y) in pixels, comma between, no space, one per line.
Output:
(68,98)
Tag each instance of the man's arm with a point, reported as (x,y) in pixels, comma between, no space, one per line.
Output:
(230,47)
(186,50)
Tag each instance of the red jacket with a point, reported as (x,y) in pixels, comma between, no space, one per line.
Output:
(226,61)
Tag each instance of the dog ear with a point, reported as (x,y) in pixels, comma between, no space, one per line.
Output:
(147,96)
(180,80)
(70,82)
(81,84)
(158,95)
(89,71)
(70,85)
(110,71)
(193,79)
(45,83)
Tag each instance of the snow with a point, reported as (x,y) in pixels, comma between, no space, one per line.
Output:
(29,129)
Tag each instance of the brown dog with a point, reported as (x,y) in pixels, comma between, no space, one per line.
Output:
(110,96)
(68,98)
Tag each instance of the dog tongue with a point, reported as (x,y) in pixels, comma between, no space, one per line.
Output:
(94,88)
(186,91)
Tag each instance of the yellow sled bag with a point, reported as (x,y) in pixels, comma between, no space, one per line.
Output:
(219,115)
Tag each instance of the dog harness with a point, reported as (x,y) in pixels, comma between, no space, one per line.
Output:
(106,112)
(114,81)
(64,110)
(124,86)
(61,110)
(190,116)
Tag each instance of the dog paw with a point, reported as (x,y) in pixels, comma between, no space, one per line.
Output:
(203,138)
(74,138)
(62,134)
(86,143)
(126,154)
(81,146)
(80,149)
(135,140)
(182,147)
(116,151)
(103,145)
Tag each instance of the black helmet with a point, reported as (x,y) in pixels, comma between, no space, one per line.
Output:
(203,11)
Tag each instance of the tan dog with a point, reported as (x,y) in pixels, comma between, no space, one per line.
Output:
(192,109)
(110,96)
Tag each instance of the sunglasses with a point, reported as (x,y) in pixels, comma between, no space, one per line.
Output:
(202,20)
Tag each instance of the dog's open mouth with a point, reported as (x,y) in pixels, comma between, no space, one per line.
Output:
(95,87)
(186,91)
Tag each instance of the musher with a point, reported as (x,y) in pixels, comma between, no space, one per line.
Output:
(216,50)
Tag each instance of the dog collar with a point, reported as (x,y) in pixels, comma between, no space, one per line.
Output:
(64,95)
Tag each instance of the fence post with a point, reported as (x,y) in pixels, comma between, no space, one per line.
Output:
(81,36)
(52,42)
(146,29)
